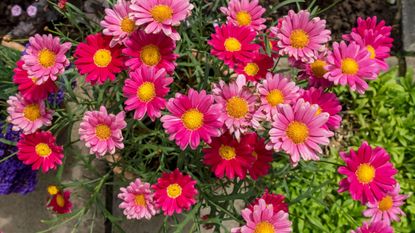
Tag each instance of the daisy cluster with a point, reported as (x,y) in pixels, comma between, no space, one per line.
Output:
(238,124)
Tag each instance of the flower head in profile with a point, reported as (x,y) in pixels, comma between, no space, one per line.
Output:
(301,37)
(262,219)
(237,105)
(174,192)
(228,157)
(233,44)
(40,150)
(117,22)
(97,60)
(299,131)
(137,200)
(29,88)
(102,131)
(369,174)
(28,116)
(374,227)
(350,65)
(145,90)
(245,13)
(388,209)
(150,51)
(256,69)
(45,57)
(60,201)
(276,200)
(157,16)
(327,102)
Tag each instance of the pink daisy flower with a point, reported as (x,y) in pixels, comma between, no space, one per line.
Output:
(274,90)
(375,44)
(370,24)
(117,23)
(276,200)
(28,87)
(174,192)
(245,13)
(60,202)
(193,117)
(314,71)
(262,156)
(237,105)
(327,102)
(102,131)
(301,37)
(226,156)
(233,44)
(39,150)
(145,90)
(388,208)
(160,15)
(374,227)
(150,50)
(350,65)
(299,130)
(256,69)
(137,200)
(98,60)
(369,174)
(263,219)
(45,57)
(28,116)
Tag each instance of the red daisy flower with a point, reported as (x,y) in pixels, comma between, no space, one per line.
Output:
(256,69)
(263,157)
(28,87)
(174,192)
(60,202)
(369,174)
(226,156)
(40,150)
(276,200)
(233,44)
(98,60)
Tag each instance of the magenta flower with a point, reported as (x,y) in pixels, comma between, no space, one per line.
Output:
(369,174)
(314,71)
(245,13)
(137,200)
(256,69)
(374,227)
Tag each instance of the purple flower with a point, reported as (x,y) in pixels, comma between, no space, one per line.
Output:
(56,99)
(16,10)
(31,10)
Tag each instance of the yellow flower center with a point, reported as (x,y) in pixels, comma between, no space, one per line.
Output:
(297,132)
(275,97)
(47,58)
(349,66)
(365,173)
(232,44)
(264,227)
(243,18)
(372,51)
(319,110)
(227,152)
(34,79)
(386,203)
(192,119)
(103,132)
(43,149)
(127,25)
(237,107)
(150,55)
(60,201)
(174,190)
(146,92)
(299,39)
(251,69)
(140,200)
(102,57)
(317,67)
(53,190)
(31,112)
(161,13)
(255,155)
